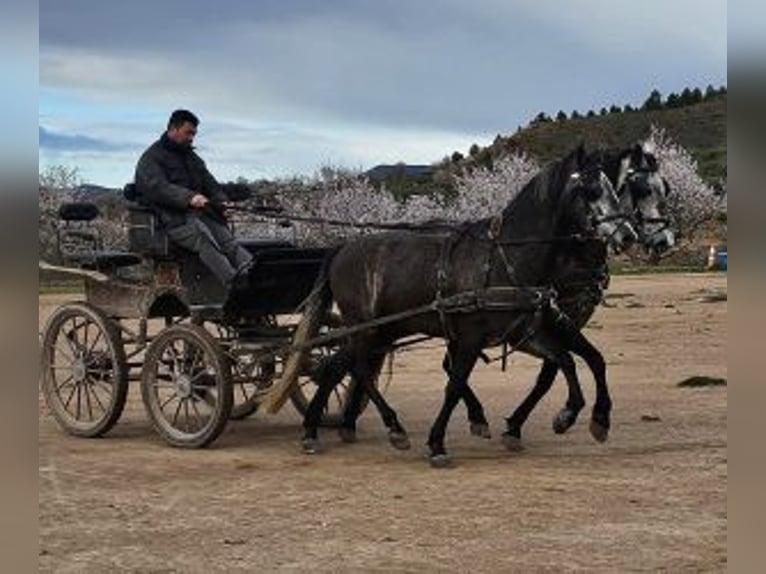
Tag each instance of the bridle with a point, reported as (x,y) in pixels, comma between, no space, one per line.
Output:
(636,216)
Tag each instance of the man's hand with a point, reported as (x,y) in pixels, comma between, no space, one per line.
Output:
(199,201)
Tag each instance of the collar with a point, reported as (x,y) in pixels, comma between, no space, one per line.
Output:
(170,145)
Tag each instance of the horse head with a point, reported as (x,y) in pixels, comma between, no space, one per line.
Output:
(592,205)
(643,195)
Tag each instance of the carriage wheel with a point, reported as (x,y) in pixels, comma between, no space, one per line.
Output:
(186,386)
(304,391)
(253,377)
(84,375)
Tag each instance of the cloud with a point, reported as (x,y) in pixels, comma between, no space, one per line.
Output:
(53,141)
(483,66)
(286,85)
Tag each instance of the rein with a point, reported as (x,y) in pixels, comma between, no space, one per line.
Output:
(275,214)
(444,227)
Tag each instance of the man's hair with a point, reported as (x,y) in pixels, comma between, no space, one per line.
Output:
(180,117)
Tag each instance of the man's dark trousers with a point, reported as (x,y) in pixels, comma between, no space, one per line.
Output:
(214,243)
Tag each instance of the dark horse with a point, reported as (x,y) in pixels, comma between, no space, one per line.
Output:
(570,201)
(580,275)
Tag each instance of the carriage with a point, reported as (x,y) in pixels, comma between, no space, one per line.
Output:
(155,315)
(479,284)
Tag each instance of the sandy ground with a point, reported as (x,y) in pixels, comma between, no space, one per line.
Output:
(652,498)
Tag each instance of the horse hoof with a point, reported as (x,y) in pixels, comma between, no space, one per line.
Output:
(599,431)
(347,435)
(512,442)
(480,430)
(399,441)
(311,446)
(563,421)
(440,460)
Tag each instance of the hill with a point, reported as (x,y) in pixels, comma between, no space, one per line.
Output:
(700,128)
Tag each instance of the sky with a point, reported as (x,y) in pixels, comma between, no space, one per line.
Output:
(286,87)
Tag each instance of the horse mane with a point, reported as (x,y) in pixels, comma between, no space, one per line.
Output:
(548,185)
(616,162)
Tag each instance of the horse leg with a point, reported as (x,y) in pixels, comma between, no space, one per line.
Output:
(602,408)
(512,435)
(347,429)
(397,435)
(327,378)
(462,362)
(567,416)
(364,373)
(476,417)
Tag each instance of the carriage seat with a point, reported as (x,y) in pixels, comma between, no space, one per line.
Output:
(80,242)
(146,235)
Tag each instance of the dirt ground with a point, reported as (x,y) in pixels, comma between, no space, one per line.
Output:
(651,498)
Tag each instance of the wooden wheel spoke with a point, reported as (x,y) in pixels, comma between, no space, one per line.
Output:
(167,401)
(65,383)
(178,410)
(69,352)
(244,391)
(92,346)
(95,394)
(195,377)
(197,353)
(79,401)
(69,399)
(86,391)
(61,368)
(197,415)
(187,418)
(103,384)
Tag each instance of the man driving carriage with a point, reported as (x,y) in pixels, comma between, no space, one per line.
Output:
(173,179)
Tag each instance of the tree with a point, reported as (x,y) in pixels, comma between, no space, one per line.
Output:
(576,115)
(602,112)
(673,100)
(561,116)
(615,109)
(591,114)
(653,102)
(457,157)
(692,203)
(686,97)
(541,118)
(628,108)
(473,151)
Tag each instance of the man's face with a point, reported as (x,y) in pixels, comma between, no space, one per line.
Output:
(183,134)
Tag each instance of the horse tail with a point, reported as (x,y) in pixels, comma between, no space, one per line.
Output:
(320,298)
(314,310)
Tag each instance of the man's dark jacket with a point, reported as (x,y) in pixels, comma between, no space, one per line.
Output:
(168,175)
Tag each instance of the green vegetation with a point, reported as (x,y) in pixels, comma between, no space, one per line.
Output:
(694,120)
